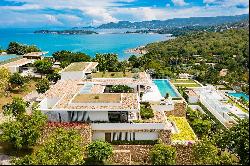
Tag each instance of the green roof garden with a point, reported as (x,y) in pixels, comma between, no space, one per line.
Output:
(77,66)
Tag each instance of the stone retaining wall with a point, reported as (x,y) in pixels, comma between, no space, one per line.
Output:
(139,153)
(184,154)
(127,154)
(179,109)
(121,157)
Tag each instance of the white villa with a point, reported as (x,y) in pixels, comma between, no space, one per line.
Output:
(112,116)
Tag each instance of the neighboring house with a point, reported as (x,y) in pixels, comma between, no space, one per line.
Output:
(35,55)
(223,72)
(186,76)
(192,96)
(18,65)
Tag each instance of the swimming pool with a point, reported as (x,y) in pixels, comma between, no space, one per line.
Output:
(6,57)
(165,87)
(239,94)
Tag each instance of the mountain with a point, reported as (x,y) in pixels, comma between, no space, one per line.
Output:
(178,31)
(176,22)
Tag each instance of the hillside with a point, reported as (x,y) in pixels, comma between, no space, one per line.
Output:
(178,31)
(176,22)
(227,50)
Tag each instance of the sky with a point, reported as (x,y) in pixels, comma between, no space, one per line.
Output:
(71,13)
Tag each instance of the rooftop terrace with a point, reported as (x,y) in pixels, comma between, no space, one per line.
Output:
(98,98)
(78,66)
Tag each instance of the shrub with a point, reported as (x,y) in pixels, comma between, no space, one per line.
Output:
(146,113)
(42,86)
(163,155)
(16,80)
(99,151)
(96,97)
(63,147)
(135,70)
(112,74)
(121,89)
(136,76)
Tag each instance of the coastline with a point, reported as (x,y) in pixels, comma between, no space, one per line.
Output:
(138,50)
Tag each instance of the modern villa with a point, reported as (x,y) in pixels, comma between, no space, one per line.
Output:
(83,95)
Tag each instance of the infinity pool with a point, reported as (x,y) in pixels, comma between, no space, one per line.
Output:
(238,95)
(6,57)
(165,87)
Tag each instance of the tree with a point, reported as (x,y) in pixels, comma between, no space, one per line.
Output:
(205,152)
(107,62)
(16,48)
(54,77)
(43,66)
(20,49)
(24,131)
(236,139)
(42,86)
(63,147)
(16,108)
(16,80)
(99,151)
(4,79)
(163,155)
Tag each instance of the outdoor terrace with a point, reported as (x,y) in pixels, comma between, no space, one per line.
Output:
(129,101)
(97,98)
(142,80)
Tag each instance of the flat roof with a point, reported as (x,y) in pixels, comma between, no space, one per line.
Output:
(18,63)
(35,54)
(142,80)
(98,98)
(64,92)
(77,66)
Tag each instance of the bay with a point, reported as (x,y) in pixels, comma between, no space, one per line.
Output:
(107,41)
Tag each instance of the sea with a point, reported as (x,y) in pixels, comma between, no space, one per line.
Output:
(107,41)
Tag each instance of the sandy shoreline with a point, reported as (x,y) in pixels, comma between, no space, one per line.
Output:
(138,50)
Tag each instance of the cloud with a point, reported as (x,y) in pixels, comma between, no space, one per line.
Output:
(228,3)
(36,13)
(179,2)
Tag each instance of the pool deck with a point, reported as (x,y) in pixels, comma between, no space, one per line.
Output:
(153,95)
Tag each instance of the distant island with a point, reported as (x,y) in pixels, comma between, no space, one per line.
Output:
(67,32)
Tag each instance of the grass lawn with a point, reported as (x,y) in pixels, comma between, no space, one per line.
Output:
(77,66)
(185,131)
(187,85)
(112,75)
(182,81)
(97,98)
(237,105)
(29,87)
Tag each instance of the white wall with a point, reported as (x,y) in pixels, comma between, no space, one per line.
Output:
(127,126)
(98,115)
(100,135)
(146,135)
(72,75)
(193,99)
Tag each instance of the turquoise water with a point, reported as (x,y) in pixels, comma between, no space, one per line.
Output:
(105,42)
(239,94)
(165,87)
(7,57)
